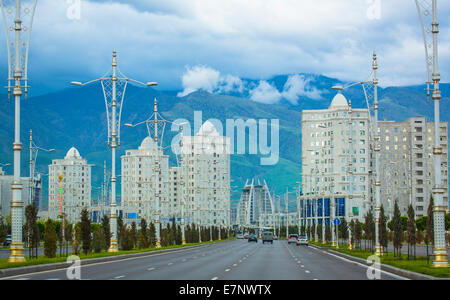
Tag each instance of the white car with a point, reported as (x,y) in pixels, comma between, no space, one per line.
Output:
(302,240)
(240,236)
(293,238)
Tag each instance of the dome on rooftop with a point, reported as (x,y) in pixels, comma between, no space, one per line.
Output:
(73,153)
(339,101)
(148,143)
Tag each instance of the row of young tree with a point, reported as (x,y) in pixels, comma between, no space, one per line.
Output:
(399,230)
(86,237)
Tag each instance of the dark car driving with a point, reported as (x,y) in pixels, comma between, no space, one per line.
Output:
(253,238)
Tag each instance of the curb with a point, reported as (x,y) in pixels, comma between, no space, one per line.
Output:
(394,270)
(58,266)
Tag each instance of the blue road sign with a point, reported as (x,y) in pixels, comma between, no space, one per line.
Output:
(337,222)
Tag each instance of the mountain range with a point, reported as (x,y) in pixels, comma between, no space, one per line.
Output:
(77,117)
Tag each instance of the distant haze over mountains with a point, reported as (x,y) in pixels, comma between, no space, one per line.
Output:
(77,117)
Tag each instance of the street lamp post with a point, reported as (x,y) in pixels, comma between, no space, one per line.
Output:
(34,150)
(17,20)
(114,89)
(439,209)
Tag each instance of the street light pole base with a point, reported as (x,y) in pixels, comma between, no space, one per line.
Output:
(113,247)
(440,258)
(158,244)
(379,251)
(350,246)
(16,254)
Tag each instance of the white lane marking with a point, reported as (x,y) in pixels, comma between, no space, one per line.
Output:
(315,279)
(307,272)
(150,269)
(364,266)
(184,259)
(169,264)
(23,279)
(302,266)
(235,265)
(53,279)
(113,261)
(227,270)
(215,278)
(119,277)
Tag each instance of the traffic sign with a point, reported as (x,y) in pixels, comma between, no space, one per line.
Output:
(337,222)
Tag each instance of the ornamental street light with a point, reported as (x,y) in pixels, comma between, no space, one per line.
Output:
(34,150)
(374,82)
(114,89)
(439,209)
(154,123)
(18,19)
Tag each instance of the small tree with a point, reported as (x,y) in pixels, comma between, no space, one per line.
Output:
(358,233)
(145,242)
(106,231)
(126,242)
(343,229)
(50,239)
(86,231)
(411,230)
(382,230)
(98,241)
(398,230)
(327,234)
(133,233)
(152,235)
(76,239)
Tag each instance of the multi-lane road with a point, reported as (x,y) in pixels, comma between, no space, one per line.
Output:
(234,260)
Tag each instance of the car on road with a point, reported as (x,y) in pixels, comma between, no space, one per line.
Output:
(275,237)
(240,236)
(302,240)
(267,236)
(246,235)
(252,238)
(293,238)
(8,240)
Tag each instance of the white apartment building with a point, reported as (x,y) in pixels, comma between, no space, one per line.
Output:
(206,174)
(74,192)
(145,183)
(6,192)
(335,162)
(406,164)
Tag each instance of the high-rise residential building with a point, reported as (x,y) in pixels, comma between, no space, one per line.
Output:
(256,207)
(406,164)
(206,174)
(69,186)
(335,162)
(145,183)
(6,192)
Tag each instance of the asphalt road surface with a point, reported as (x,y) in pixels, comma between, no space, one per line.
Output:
(234,260)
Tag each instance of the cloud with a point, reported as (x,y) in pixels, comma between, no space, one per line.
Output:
(297,86)
(265,93)
(199,78)
(249,39)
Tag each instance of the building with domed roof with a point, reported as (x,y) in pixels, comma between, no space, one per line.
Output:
(145,174)
(206,176)
(69,186)
(335,162)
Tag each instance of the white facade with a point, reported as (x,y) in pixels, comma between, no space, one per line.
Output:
(145,183)
(206,174)
(406,164)
(75,187)
(335,161)
(6,193)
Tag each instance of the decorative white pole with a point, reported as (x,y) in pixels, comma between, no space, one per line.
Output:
(378,248)
(14,15)
(440,247)
(114,89)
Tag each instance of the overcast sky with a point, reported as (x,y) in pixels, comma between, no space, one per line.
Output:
(165,40)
